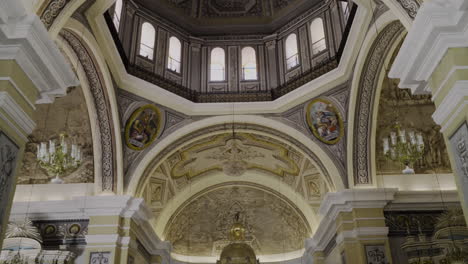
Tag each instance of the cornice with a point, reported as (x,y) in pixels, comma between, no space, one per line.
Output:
(346,201)
(439,25)
(159,95)
(16,113)
(23,38)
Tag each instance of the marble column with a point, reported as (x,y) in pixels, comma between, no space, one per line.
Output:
(32,71)
(434,60)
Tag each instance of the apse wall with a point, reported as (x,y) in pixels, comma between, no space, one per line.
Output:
(276,62)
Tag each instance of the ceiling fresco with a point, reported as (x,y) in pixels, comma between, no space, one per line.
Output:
(205,156)
(202,227)
(259,152)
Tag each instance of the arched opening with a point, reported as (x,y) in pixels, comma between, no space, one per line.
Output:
(345,9)
(291,51)
(148,35)
(175,53)
(317,36)
(249,64)
(117,14)
(217,65)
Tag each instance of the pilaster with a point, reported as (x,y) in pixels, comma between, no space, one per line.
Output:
(352,225)
(434,60)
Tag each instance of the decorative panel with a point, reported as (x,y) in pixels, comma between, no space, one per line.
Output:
(459,143)
(303,48)
(161,52)
(375,254)
(8,158)
(100,258)
(233,68)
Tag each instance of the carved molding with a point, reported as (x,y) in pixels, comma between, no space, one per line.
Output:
(366,95)
(411,7)
(52,11)
(104,117)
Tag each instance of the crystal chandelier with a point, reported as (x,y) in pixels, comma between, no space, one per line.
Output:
(57,160)
(406,148)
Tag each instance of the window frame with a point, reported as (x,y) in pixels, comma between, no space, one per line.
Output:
(169,55)
(324,39)
(296,55)
(140,42)
(242,64)
(223,69)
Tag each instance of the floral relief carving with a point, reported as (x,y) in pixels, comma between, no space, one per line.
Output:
(366,95)
(96,85)
(411,7)
(52,11)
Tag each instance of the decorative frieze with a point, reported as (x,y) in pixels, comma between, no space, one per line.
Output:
(104,116)
(52,11)
(411,7)
(365,102)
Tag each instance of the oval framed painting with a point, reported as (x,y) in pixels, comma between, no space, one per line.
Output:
(325,121)
(142,127)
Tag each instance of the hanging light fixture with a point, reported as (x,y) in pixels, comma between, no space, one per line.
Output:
(406,148)
(234,165)
(58,160)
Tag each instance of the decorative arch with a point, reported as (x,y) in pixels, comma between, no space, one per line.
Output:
(220,124)
(101,102)
(367,90)
(216,181)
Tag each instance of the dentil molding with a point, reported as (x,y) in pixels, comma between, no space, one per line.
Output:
(24,38)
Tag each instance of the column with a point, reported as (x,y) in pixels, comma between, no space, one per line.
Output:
(352,228)
(32,71)
(434,60)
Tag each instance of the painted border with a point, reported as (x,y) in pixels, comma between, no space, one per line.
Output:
(312,128)
(132,119)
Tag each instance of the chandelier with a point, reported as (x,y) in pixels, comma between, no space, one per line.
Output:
(406,148)
(58,160)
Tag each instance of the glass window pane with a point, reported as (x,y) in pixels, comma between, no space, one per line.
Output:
(148,35)
(217,64)
(175,54)
(317,35)
(291,50)
(117,14)
(249,64)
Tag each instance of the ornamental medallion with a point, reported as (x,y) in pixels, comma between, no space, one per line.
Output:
(325,121)
(142,127)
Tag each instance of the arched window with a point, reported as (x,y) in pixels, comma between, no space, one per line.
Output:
(317,35)
(148,35)
(217,65)
(249,64)
(117,14)
(345,9)
(292,56)
(175,54)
